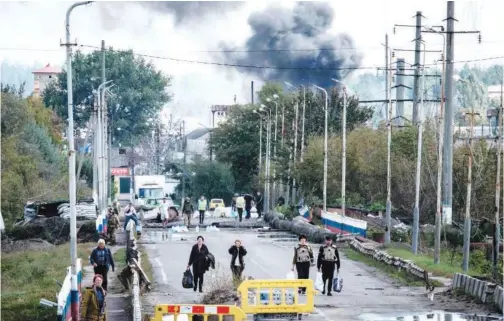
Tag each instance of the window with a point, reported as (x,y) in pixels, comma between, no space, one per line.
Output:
(124,185)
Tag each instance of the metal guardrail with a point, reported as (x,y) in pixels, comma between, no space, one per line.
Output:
(276,296)
(197,312)
(64,301)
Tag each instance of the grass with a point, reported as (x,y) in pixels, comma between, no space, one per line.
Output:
(120,258)
(29,276)
(402,276)
(146,264)
(426,262)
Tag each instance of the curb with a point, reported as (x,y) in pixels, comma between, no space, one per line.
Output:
(486,292)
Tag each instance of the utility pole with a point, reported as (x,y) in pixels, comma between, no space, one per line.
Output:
(74,290)
(496,238)
(94,120)
(400,92)
(467,218)
(448,112)
(416,87)
(416,211)
(182,132)
(295,151)
(389,139)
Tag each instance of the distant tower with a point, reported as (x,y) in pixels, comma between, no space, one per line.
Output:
(43,76)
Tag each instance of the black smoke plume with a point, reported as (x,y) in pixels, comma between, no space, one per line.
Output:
(192,11)
(285,38)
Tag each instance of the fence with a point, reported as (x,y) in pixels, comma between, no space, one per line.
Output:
(190,312)
(484,291)
(64,299)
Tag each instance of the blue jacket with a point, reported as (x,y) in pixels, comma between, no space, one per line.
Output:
(102,257)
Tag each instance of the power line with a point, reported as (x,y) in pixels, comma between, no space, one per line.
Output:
(269,67)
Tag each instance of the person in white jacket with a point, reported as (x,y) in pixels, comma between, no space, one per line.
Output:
(240,205)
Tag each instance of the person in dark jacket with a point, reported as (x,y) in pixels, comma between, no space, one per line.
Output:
(302,260)
(198,260)
(259,204)
(248,204)
(237,252)
(93,301)
(188,210)
(102,260)
(328,258)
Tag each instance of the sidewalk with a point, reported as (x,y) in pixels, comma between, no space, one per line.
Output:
(117,300)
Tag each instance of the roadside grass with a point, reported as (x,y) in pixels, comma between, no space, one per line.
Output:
(426,262)
(146,264)
(29,276)
(120,258)
(402,276)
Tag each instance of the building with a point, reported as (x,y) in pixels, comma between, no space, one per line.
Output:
(197,144)
(42,77)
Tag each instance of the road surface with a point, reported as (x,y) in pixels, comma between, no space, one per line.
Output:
(269,257)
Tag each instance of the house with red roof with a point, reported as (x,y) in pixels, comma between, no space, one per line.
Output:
(43,76)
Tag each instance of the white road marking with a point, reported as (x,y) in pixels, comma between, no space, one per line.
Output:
(260,266)
(163,274)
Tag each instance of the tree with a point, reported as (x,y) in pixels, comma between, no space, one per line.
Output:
(140,92)
(33,163)
(210,179)
(236,142)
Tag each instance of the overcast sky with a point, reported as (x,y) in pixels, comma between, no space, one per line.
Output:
(31,33)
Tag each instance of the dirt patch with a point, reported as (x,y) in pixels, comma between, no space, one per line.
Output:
(9,246)
(455,301)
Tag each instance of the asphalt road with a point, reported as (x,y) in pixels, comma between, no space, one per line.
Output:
(269,256)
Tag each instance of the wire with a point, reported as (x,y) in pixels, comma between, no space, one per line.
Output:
(265,67)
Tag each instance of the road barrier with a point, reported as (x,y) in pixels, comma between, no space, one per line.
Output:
(64,300)
(486,292)
(195,312)
(276,296)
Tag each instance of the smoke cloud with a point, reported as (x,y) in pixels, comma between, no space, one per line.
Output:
(192,11)
(284,38)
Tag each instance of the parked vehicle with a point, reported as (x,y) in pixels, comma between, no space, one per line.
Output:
(216,202)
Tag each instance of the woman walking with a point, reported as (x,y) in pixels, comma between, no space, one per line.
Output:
(237,252)
(198,260)
(93,301)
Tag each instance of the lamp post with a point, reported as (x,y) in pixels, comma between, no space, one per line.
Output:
(267,194)
(74,291)
(295,145)
(275,96)
(303,124)
(325,146)
(343,149)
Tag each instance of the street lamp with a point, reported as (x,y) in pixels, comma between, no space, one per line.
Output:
(260,138)
(267,193)
(295,146)
(74,291)
(325,146)
(275,96)
(343,149)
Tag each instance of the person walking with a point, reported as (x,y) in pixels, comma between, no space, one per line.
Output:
(237,252)
(101,259)
(328,258)
(188,211)
(202,207)
(93,301)
(259,204)
(240,204)
(163,212)
(303,258)
(116,208)
(197,259)
(248,205)
(113,225)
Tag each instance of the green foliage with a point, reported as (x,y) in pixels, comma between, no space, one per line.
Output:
(33,166)
(140,91)
(211,179)
(367,172)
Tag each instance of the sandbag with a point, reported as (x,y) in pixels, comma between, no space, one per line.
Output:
(187,280)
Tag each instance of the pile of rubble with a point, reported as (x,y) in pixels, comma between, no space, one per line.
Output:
(55,230)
